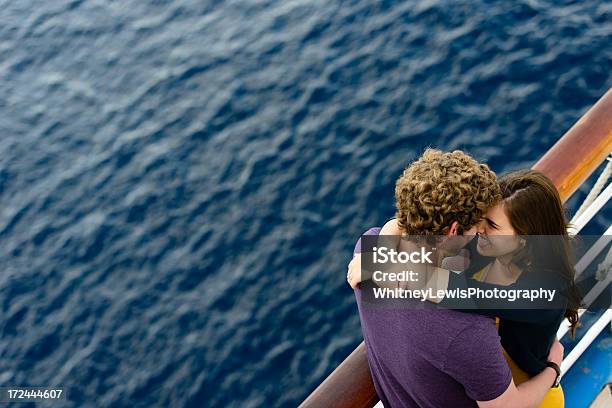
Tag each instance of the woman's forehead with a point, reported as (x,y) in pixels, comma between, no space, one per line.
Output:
(498,214)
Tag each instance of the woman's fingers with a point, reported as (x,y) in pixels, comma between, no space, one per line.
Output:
(354,272)
(353,282)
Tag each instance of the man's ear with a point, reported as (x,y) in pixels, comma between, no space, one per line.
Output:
(453,229)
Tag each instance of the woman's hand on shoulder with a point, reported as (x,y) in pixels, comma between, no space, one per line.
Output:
(389,236)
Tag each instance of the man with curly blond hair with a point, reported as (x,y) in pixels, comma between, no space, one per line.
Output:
(423,357)
(441,190)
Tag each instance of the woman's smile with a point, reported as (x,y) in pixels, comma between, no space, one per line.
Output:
(483,242)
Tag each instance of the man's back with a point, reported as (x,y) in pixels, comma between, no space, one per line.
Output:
(432,358)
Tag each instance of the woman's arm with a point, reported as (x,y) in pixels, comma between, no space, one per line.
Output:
(441,279)
(390,236)
(520,310)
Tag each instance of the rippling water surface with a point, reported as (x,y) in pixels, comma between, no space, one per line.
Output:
(181,184)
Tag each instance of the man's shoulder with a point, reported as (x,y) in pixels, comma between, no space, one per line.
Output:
(406,313)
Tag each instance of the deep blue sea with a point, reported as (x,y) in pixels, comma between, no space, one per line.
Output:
(181,183)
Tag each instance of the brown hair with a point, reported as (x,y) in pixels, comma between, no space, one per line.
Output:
(440,188)
(532,203)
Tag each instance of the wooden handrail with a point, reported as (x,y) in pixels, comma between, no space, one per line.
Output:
(568,163)
(349,385)
(581,150)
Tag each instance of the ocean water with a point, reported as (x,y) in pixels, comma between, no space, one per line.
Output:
(181,183)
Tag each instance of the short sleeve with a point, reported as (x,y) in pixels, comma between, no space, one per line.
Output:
(371,231)
(475,359)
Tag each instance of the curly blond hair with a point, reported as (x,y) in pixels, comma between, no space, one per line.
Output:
(442,187)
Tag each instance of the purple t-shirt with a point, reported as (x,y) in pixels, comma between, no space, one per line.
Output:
(432,358)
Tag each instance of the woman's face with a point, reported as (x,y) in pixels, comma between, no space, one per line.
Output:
(496,237)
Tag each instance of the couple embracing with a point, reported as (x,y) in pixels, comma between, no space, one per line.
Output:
(489,353)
